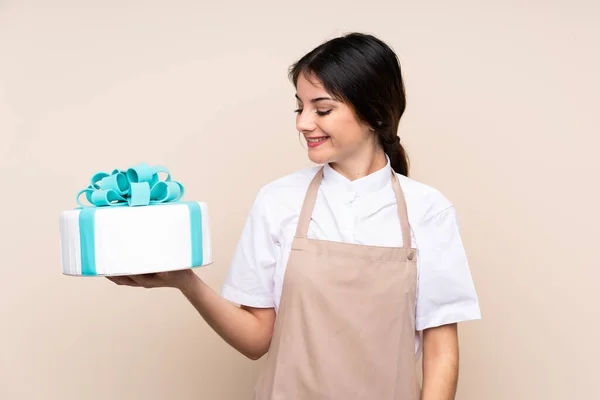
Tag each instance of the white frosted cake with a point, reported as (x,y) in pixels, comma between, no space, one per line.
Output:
(135,224)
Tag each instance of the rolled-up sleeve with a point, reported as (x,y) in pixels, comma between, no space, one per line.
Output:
(445,292)
(249,280)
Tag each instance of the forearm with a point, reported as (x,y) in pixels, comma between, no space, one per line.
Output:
(440,364)
(440,376)
(238,327)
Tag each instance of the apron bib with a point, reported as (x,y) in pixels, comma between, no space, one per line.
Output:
(345,328)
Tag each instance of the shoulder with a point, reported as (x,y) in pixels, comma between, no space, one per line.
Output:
(423,201)
(295,180)
(289,187)
(282,198)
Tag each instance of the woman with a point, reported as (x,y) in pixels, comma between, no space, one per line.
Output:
(341,266)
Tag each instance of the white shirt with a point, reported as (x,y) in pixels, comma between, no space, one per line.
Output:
(362,211)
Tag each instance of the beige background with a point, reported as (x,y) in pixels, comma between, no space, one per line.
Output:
(502,117)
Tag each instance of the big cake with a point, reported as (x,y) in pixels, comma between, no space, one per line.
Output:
(135,223)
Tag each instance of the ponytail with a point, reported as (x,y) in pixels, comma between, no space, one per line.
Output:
(394,150)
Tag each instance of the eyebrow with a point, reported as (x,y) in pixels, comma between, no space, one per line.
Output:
(317,99)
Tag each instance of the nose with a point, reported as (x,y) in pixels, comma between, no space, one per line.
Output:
(305,122)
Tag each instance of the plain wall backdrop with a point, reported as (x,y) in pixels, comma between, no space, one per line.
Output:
(502,111)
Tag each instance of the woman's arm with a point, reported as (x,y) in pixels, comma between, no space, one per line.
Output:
(440,362)
(248,330)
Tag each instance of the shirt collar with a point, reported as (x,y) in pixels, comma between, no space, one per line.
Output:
(367,184)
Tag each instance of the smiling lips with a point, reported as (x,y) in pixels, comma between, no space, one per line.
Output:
(316,141)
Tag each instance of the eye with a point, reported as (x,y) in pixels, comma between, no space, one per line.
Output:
(321,113)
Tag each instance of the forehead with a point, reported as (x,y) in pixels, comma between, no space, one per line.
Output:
(309,87)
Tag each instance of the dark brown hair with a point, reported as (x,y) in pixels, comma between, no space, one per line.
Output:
(364,72)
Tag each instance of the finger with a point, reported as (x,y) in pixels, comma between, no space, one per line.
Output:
(123,280)
(144,280)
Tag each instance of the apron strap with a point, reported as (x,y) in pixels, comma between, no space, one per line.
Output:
(309,204)
(402,212)
(311,198)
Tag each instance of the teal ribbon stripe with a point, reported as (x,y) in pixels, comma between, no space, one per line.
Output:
(137,186)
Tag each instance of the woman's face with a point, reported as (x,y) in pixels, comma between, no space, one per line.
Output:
(331,129)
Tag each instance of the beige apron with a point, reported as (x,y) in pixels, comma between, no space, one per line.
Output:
(345,329)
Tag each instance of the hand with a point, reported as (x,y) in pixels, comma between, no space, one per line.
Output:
(173,279)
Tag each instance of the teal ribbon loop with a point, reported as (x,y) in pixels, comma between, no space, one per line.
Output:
(139,185)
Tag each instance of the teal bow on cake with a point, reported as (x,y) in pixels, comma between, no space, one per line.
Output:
(139,185)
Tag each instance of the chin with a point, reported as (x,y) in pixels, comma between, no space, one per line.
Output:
(319,157)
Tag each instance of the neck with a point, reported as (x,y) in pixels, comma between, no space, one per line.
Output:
(361,165)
